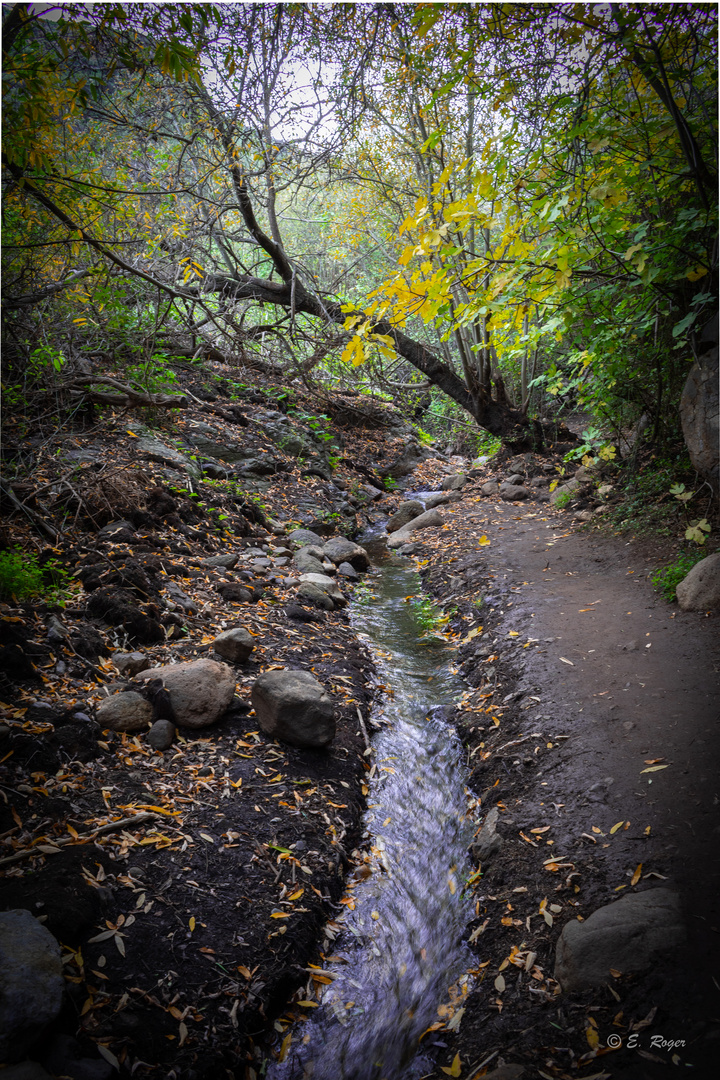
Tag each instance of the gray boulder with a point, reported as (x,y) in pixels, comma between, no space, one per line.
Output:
(627,935)
(516,479)
(347,571)
(700,589)
(234,645)
(454,483)
(155,450)
(490,487)
(568,488)
(340,550)
(429,519)
(302,537)
(405,512)
(130,663)
(200,690)
(514,492)
(161,735)
(294,707)
(488,841)
(307,563)
(327,584)
(31,982)
(315,595)
(128,711)
(437,498)
(222,562)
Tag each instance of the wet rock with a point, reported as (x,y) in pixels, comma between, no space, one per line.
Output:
(315,595)
(514,492)
(437,498)
(346,570)
(200,690)
(128,711)
(490,487)
(430,519)
(234,645)
(327,584)
(700,589)
(454,483)
(130,663)
(627,935)
(488,842)
(31,982)
(304,615)
(161,735)
(307,563)
(340,550)
(300,538)
(224,562)
(405,512)
(294,707)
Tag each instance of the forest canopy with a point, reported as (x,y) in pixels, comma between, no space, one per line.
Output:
(494,210)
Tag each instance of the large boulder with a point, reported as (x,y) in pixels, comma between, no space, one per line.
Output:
(31,981)
(425,521)
(700,417)
(234,645)
(314,595)
(490,487)
(700,589)
(327,584)
(405,512)
(340,550)
(454,483)
(307,563)
(294,707)
(514,492)
(437,498)
(300,538)
(200,690)
(627,935)
(128,711)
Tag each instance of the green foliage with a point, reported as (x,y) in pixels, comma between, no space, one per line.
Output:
(22,579)
(564,499)
(389,484)
(669,577)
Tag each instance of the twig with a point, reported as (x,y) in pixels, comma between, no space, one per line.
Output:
(363,728)
(110,826)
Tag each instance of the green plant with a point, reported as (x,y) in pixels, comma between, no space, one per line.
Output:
(424,437)
(389,484)
(21,578)
(563,500)
(668,577)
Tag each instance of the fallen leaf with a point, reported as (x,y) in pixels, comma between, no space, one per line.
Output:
(483,541)
(592,1037)
(191,922)
(654,768)
(109,1056)
(500,984)
(636,876)
(617,826)
(285,1046)
(567,661)
(454,1069)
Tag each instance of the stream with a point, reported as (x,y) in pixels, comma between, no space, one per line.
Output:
(399,952)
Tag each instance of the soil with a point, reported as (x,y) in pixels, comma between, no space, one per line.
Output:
(190,933)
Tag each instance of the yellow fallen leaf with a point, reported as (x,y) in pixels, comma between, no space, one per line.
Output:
(285,1046)
(592,1037)
(308,1004)
(654,768)
(636,876)
(513,633)
(615,827)
(280,915)
(191,922)
(483,541)
(500,984)
(375,915)
(454,1069)
(296,895)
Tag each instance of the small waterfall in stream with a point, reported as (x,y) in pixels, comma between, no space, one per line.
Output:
(400,947)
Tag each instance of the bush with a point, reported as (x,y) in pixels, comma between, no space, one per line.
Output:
(668,577)
(21,578)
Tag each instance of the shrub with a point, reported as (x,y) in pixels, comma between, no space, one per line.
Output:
(668,577)
(21,578)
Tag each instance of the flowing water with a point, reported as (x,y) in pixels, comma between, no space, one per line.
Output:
(399,949)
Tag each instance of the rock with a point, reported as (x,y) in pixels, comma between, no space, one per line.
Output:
(31,982)
(200,690)
(340,550)
(26,1070)
(539,482)
(605,489)
(516,479)
(224,562)
(405,512)
(128,711)
(64,1057)
(568,488)
(373,494)
(180,598)
(302,537)
(234,645)
(117,531)
(155,450)
(627,936)
(130,663)
(700,589)
(700,416)
(490,487)
(161,735)
(488,841)
(294,707)
(409,459)
(233,592)
(584,515)
(514,492)
(427,520)
(346,570)
(454,483)
(266,465)
(315,595)
(327,584)
(437,498)
(307,563)
(303,615)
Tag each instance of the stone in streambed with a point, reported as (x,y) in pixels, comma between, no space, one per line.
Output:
(454,483)
(514,492)
(234,645)
(200,690)
(161,735)
(405,512)
(220,562)
(307,562)
(31,982)
(347,571)
(314,595)
(327,584)
(300,538)
(128,711)
(130,663)
(627,935)
(340,550)
(425,521)
(294,707)
(437,498)
(490,487)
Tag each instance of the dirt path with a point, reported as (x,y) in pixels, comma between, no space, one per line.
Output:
(611,681)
